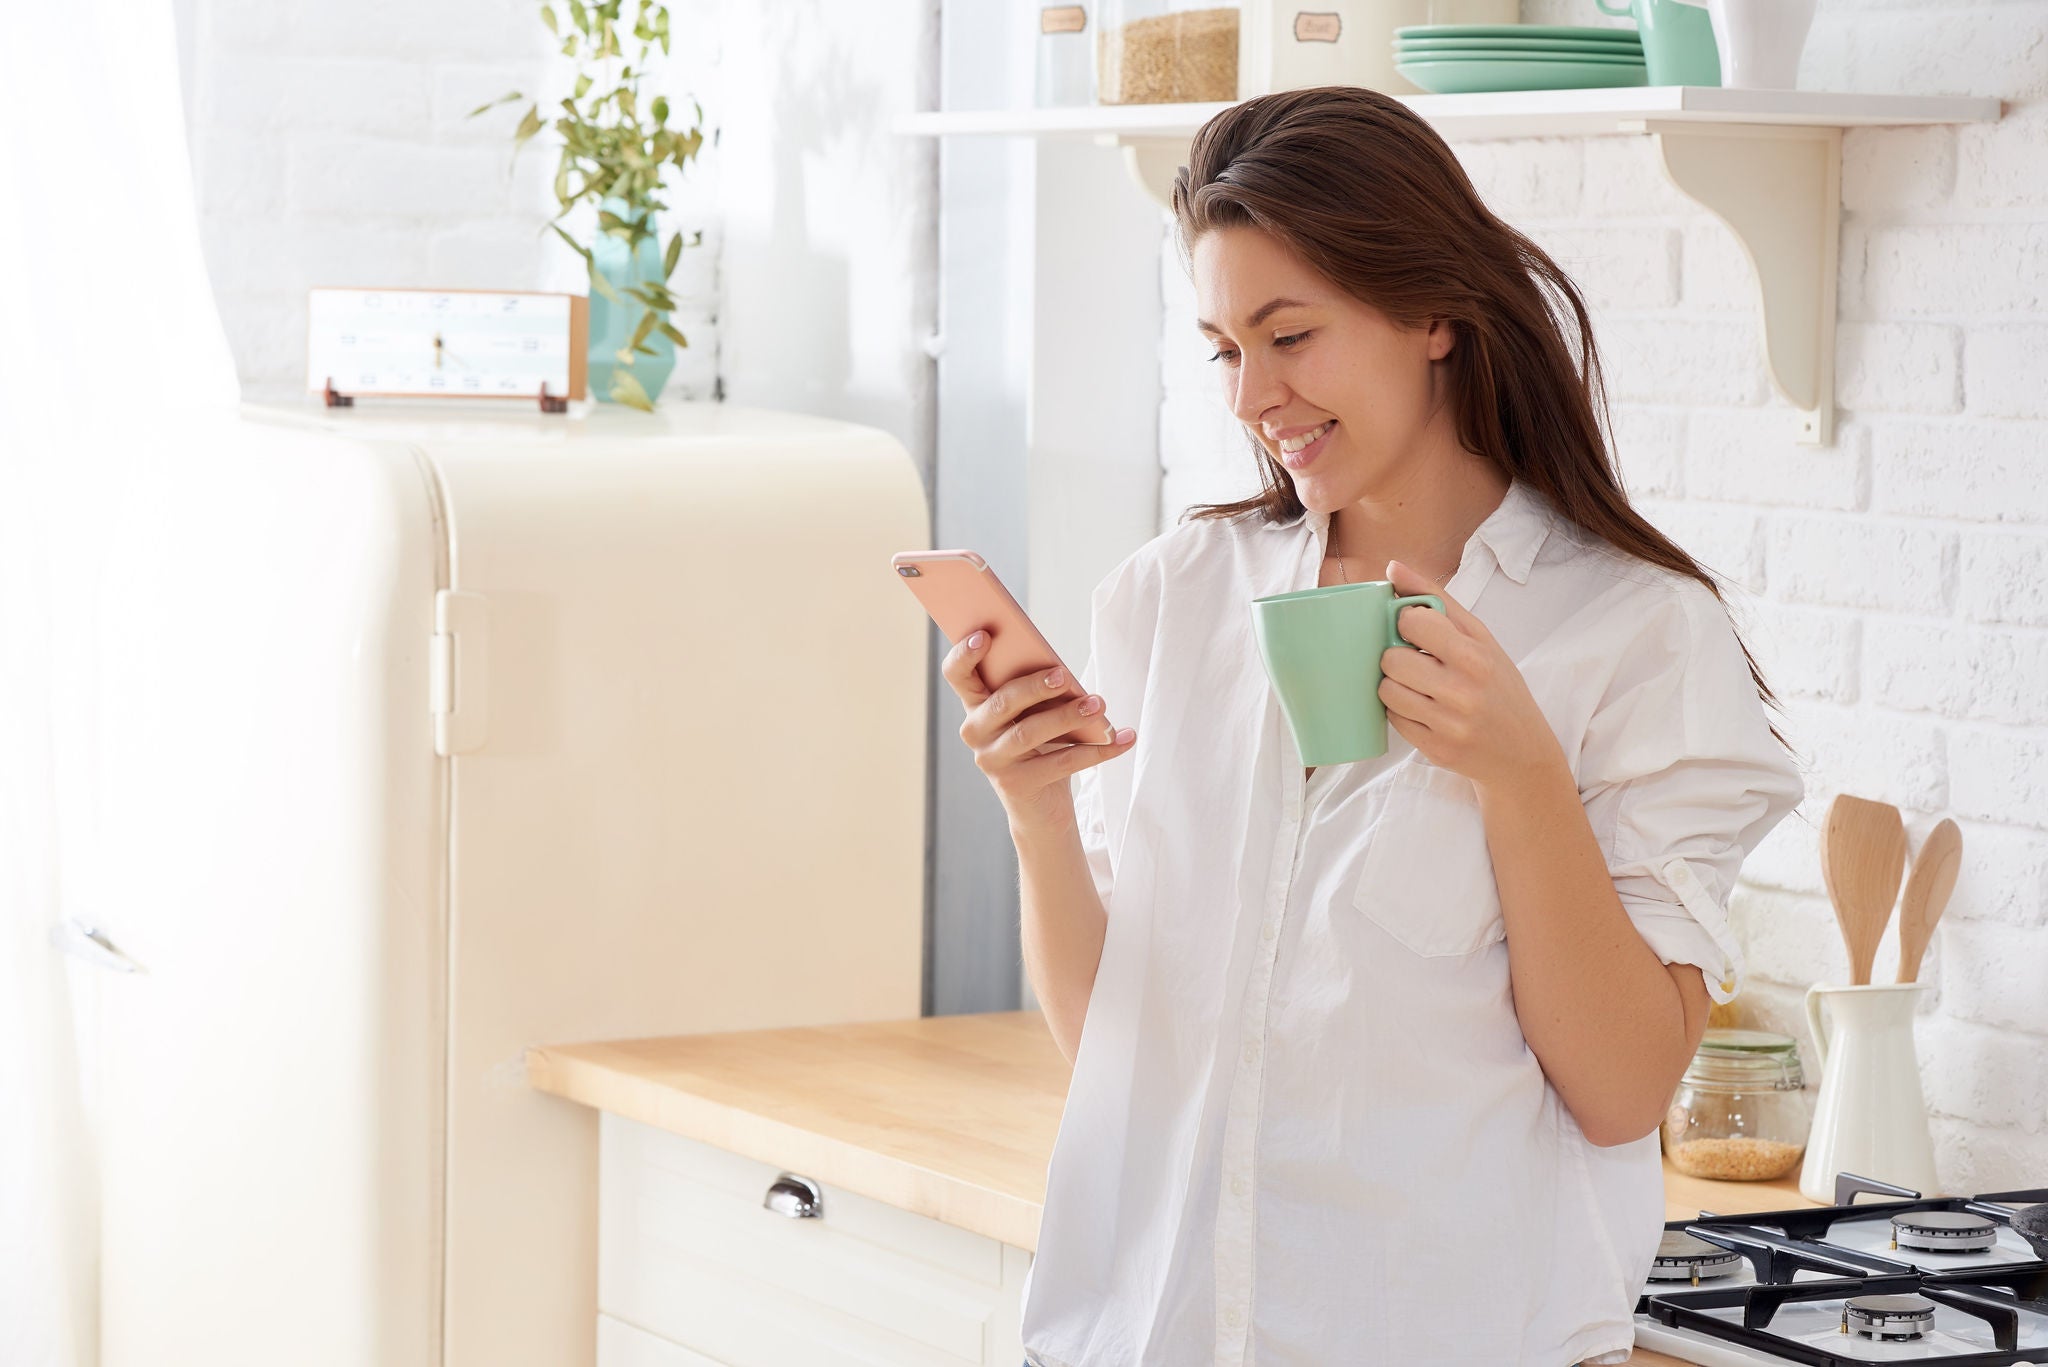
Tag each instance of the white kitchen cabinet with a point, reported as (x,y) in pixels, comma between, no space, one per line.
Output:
(694,1271)
(620,1344)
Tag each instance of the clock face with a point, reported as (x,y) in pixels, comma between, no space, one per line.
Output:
(474,343)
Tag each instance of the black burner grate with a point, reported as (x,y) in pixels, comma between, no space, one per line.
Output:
(1779,1245)
(1996,1299)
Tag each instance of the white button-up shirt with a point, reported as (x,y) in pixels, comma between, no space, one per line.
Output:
(1304,1128)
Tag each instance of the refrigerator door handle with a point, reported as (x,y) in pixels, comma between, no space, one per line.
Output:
(92,945)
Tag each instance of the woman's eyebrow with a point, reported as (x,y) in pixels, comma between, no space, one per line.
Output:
(1265,311)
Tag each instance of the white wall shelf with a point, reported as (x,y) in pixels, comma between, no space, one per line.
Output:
(1766,162)
(1507,113)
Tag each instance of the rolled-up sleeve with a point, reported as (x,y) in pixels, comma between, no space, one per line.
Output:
(1682,779)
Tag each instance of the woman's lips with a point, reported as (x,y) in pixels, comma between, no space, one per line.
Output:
(1296,460)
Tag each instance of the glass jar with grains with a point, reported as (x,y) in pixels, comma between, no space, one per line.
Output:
(1066,71)
(1156,52)
(1740,1113)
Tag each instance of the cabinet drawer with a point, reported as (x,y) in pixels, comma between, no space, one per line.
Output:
(619,1344)
(687,1252)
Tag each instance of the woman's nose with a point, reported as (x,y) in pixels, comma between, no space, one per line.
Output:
(1257,393)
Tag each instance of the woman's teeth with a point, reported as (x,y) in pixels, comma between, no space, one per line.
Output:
(1290,445)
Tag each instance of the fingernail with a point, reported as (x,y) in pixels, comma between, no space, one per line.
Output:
(977,640)
(1090,706)
(1123,737)
(1056,678)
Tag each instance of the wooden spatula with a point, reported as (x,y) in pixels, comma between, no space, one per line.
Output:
(1928,884)
(1863,856)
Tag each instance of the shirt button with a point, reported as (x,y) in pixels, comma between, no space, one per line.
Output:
(1269,932)
(1231,1316)
(1251,1053)
(1237,1186)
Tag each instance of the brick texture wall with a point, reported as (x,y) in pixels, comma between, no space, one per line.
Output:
(330,147)
(1894,584)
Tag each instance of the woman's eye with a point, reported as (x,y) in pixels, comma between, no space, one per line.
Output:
(1286,341)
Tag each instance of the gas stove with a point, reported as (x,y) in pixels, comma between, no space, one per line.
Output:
(1907,1279)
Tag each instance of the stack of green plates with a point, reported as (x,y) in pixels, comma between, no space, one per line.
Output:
(1457,59)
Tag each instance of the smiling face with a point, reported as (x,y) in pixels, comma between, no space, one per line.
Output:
(1347,400)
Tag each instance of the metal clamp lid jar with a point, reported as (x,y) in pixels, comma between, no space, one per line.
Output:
(1740,1113)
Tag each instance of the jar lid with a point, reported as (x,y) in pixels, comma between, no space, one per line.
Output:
(1745,1059)
(1749,1042)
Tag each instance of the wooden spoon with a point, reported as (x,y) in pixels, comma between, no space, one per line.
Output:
(1863,856)
(1932,879)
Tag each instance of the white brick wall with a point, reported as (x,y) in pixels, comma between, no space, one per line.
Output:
(1899,578)
(330,147)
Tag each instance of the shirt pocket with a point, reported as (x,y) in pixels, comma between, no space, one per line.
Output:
(1426,878)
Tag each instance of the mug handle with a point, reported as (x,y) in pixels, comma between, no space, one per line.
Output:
(1394,607)
(1813,1021)
(1621,13)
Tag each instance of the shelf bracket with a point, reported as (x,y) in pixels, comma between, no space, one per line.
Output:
(1779,189)
(1153,162)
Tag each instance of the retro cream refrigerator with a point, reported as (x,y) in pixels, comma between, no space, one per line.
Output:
(432,736)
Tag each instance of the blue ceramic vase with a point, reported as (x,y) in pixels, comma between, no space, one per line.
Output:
(612,324)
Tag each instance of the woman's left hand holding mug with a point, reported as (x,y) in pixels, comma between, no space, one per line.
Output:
(1463,704)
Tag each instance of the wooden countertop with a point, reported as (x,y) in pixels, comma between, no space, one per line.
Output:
(949,1116)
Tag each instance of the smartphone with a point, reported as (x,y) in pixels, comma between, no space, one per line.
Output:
(963,595)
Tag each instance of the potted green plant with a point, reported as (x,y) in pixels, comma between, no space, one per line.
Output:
(614,147)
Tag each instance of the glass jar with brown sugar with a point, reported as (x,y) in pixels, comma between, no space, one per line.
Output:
(1740,1113)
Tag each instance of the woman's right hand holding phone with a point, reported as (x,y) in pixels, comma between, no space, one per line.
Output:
(1011,743)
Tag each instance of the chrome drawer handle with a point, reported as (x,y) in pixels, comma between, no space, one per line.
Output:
(796,1197)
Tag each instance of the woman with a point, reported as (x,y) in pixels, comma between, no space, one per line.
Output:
(1369,1059)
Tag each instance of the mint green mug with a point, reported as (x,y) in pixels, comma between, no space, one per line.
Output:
(1322,651)
(1678,40)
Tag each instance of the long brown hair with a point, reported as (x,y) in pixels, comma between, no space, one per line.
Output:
(1365,191)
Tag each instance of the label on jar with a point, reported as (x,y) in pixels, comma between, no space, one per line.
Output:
(1062,19)
(1314,27)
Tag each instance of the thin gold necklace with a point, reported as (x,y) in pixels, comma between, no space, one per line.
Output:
(1342,574)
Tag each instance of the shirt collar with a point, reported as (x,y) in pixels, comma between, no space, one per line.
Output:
(1514,532)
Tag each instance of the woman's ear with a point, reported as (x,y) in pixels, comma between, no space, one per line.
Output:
(1443,335)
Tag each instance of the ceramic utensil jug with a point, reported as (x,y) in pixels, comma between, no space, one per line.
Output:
(1871,1118)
